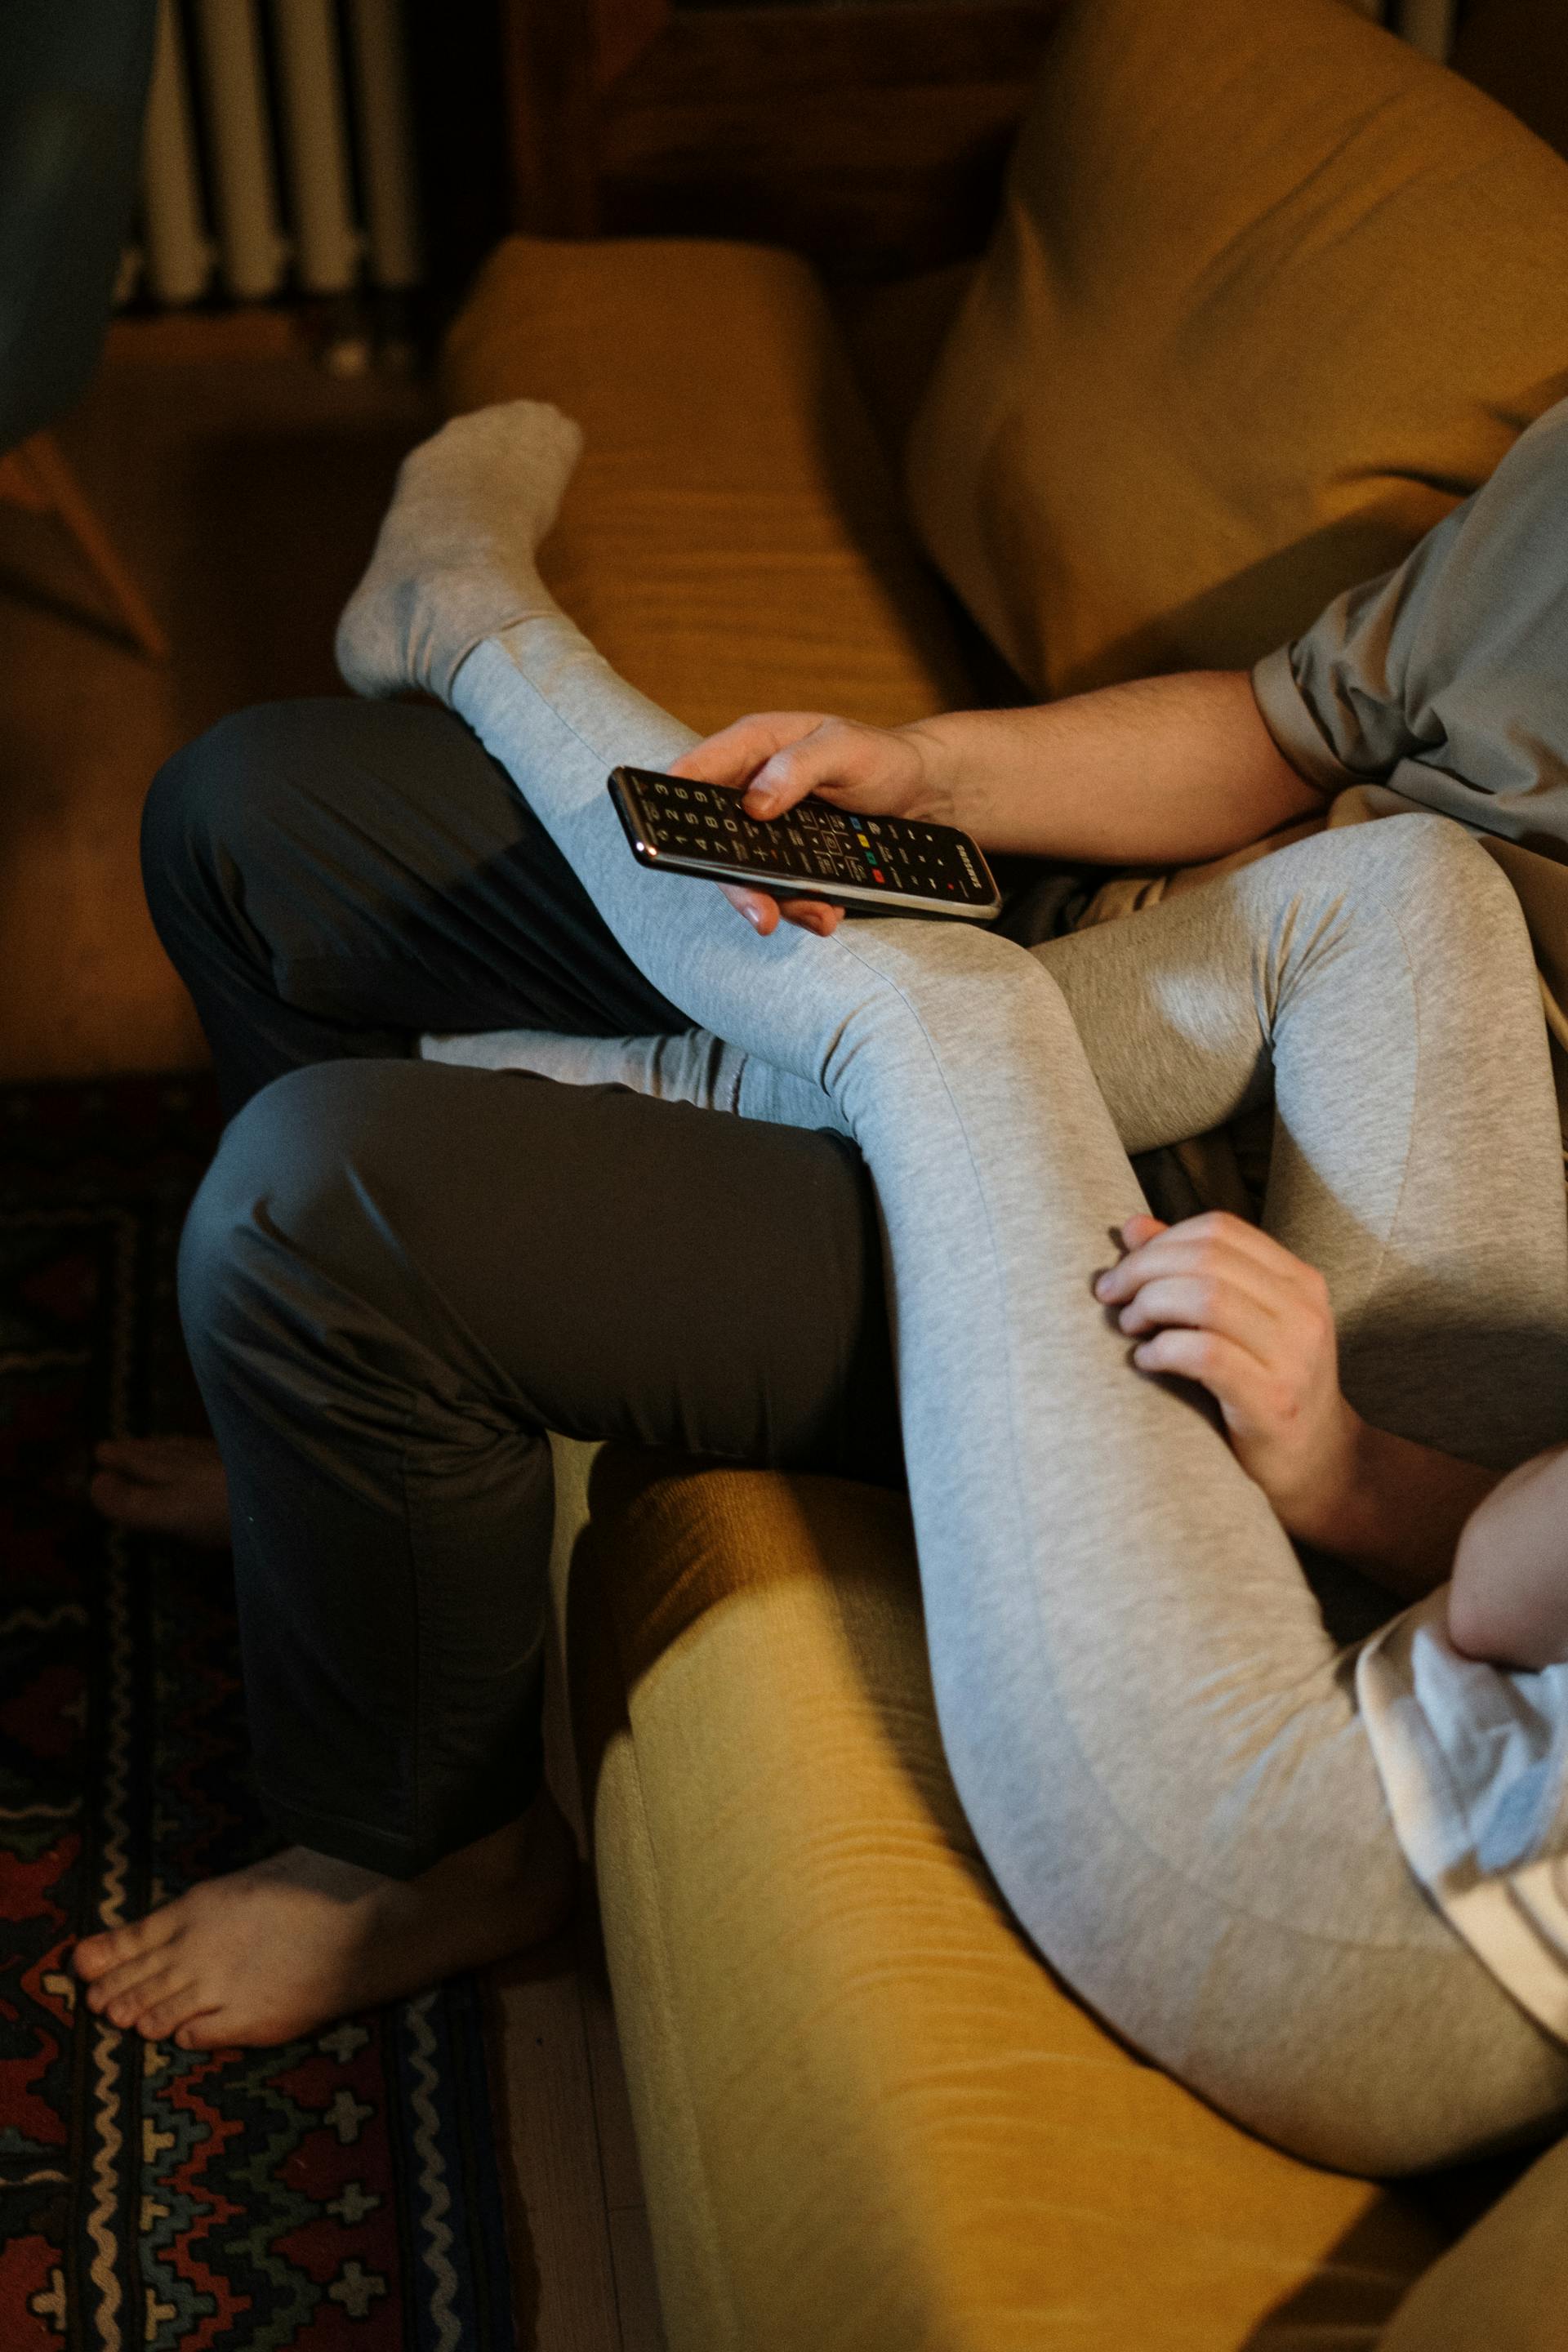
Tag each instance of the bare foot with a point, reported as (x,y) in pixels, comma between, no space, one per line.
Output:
(164,1487)
(272,1952)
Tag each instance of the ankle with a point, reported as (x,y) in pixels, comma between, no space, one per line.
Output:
(496,1862)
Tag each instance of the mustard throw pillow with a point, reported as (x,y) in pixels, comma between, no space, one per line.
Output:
(1269,294)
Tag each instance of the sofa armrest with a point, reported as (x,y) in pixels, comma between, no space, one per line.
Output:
(868,2117)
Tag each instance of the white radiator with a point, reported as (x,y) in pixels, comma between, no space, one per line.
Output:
(279,152)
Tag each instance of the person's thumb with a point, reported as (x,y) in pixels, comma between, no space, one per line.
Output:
(829,762)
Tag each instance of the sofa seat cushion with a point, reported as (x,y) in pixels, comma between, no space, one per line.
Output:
(731,540)
(1271,292)
(867,2115)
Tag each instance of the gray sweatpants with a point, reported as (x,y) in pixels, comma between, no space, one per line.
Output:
(1152,1734)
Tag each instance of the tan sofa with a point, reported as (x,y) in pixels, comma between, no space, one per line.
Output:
(868,2116)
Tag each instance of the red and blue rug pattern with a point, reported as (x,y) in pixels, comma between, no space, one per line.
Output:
(341,2191)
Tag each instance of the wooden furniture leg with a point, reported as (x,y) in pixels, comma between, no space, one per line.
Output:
(36,475)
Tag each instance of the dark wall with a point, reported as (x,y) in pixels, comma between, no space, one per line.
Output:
(456,74)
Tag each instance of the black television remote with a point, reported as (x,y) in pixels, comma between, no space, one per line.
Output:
(868,864)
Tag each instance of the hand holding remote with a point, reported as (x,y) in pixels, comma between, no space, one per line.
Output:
(778,757)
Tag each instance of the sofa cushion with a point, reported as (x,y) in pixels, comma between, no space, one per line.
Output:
(732,541)
(867,2115)
(1270,293)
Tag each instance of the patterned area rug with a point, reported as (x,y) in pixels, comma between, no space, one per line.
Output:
(341,2191)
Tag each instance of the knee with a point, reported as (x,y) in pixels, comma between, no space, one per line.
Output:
(1432,872)
(207,801)
(286,1219)
(954,984)
(196,802)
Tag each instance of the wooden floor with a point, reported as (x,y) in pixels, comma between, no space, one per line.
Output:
(244,484)
(573,2160)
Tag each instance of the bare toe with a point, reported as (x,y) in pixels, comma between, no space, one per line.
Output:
(162,1485)
(130,2003)
(127,1501)
(119,1982)
(95,1955)
(173,2016)
(144,1456)
(210,2031)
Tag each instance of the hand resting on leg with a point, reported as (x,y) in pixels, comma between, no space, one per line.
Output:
(1216,1301)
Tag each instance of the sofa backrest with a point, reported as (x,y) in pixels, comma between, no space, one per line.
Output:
(1270,293)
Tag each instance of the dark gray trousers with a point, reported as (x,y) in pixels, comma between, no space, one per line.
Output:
(397,1276)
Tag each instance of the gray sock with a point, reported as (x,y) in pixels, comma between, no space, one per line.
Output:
(453,563)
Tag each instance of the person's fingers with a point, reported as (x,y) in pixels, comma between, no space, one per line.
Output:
(1220,1247)
(1219,1228)
(1111,1283)
(765,912)
(733,756)
(1289,1324)
(148,1458)
(1205,1302)
(834,759)
(760,910)
(1143,1227)
(1239,1384)
(813,915)
(1178,1252)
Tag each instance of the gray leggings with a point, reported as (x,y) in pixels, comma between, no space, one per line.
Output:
(1152,1732)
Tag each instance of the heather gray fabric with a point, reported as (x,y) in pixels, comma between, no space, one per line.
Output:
(442,577)
(1189,1017)
(1447,678)
(1473,1758)
(1153,1736)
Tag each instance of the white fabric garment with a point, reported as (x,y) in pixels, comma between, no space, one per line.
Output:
(1473,1758)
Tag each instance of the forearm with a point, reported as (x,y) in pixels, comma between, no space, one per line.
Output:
(1396,1509)
(1164,769)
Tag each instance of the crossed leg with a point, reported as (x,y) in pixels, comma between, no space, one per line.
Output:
(1045,1481)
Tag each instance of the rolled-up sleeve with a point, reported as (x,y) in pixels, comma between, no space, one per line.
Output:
(1448,678)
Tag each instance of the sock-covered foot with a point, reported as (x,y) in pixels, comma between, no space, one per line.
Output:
(269,1953)
(164,1487)
(454,561)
